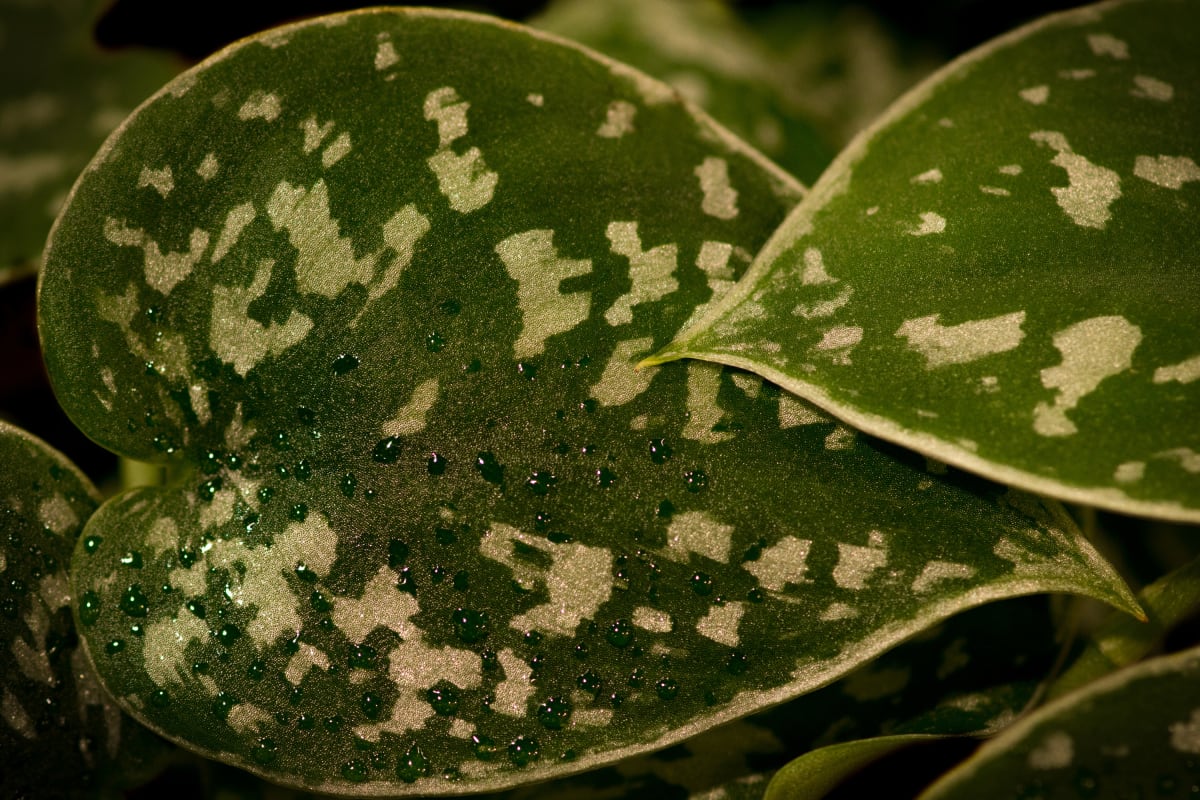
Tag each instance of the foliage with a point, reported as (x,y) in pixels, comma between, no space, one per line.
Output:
(368,295)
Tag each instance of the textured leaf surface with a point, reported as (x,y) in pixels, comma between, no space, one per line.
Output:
(1135,733)
(60,97)
(60,736)
(437,534)
(702,49)
(1000,274)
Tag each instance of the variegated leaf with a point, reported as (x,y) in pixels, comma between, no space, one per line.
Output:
(60,735)
(1135,733)
(1001,272)
(375,285)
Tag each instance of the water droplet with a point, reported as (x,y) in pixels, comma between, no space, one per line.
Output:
(581,650)
(299,512)
(527,370)
(471,626)
(208,490)
(541,482)
(461,581)
(91,543)
(475,366)
(115,646)
(450,306)
(756,595)
(589,406)
(132,559)
(89,608)
(263,752)
(265,494)
(666,688)
(333,724)
(303,470)
(397,553)
(702,584)
(196,607)
(133,602)
(412,765)
(348,484)
(371,705)
(256,670)
(605,477)
(443,698)
(320,602)
(344,363)
(695,480)
(223,704)
(159,698)
(554,712)
(305,574)
(228,634)
(484,747)
(523,750)
(355,771)
(436,464)
(620,633)
(489,469)
(210,463)
(434,342)
(636,678)
(660,451)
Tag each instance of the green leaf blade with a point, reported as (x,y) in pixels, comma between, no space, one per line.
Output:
(991,274)
(432,532)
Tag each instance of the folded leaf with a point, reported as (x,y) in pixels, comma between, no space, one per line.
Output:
(60,97)
(995,273)
(383,296)
(61,736)
(1133,733)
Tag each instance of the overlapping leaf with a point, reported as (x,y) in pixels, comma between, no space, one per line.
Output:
(60,97)
(379,281)
(1001,272)
(1134,733)
(60,736)
(702,49)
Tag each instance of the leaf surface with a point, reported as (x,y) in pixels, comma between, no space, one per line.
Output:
(432,532)
(61,96)
(61,736)
(999,273)
(1135,732)
(713,59)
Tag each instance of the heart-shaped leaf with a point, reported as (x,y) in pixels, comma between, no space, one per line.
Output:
(432,532)
(61,736)
(1001,273)
(702,49)
(60,97)
(1135,733)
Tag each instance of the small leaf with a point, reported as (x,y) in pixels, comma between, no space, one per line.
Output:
(702,49)
(61,96)
(432,533)
(61,736)
(1133,733)
(992,274)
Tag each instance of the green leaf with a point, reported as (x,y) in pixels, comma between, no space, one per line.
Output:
(814,775)
(995,273)
(437,534)
(1133,733)
(702,49)
(61,736)
(60,97)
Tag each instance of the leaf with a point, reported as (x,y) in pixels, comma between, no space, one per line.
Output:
(702,49)
(437,535)
(1136,731)
(61,735)
(993,274)
(61,96)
